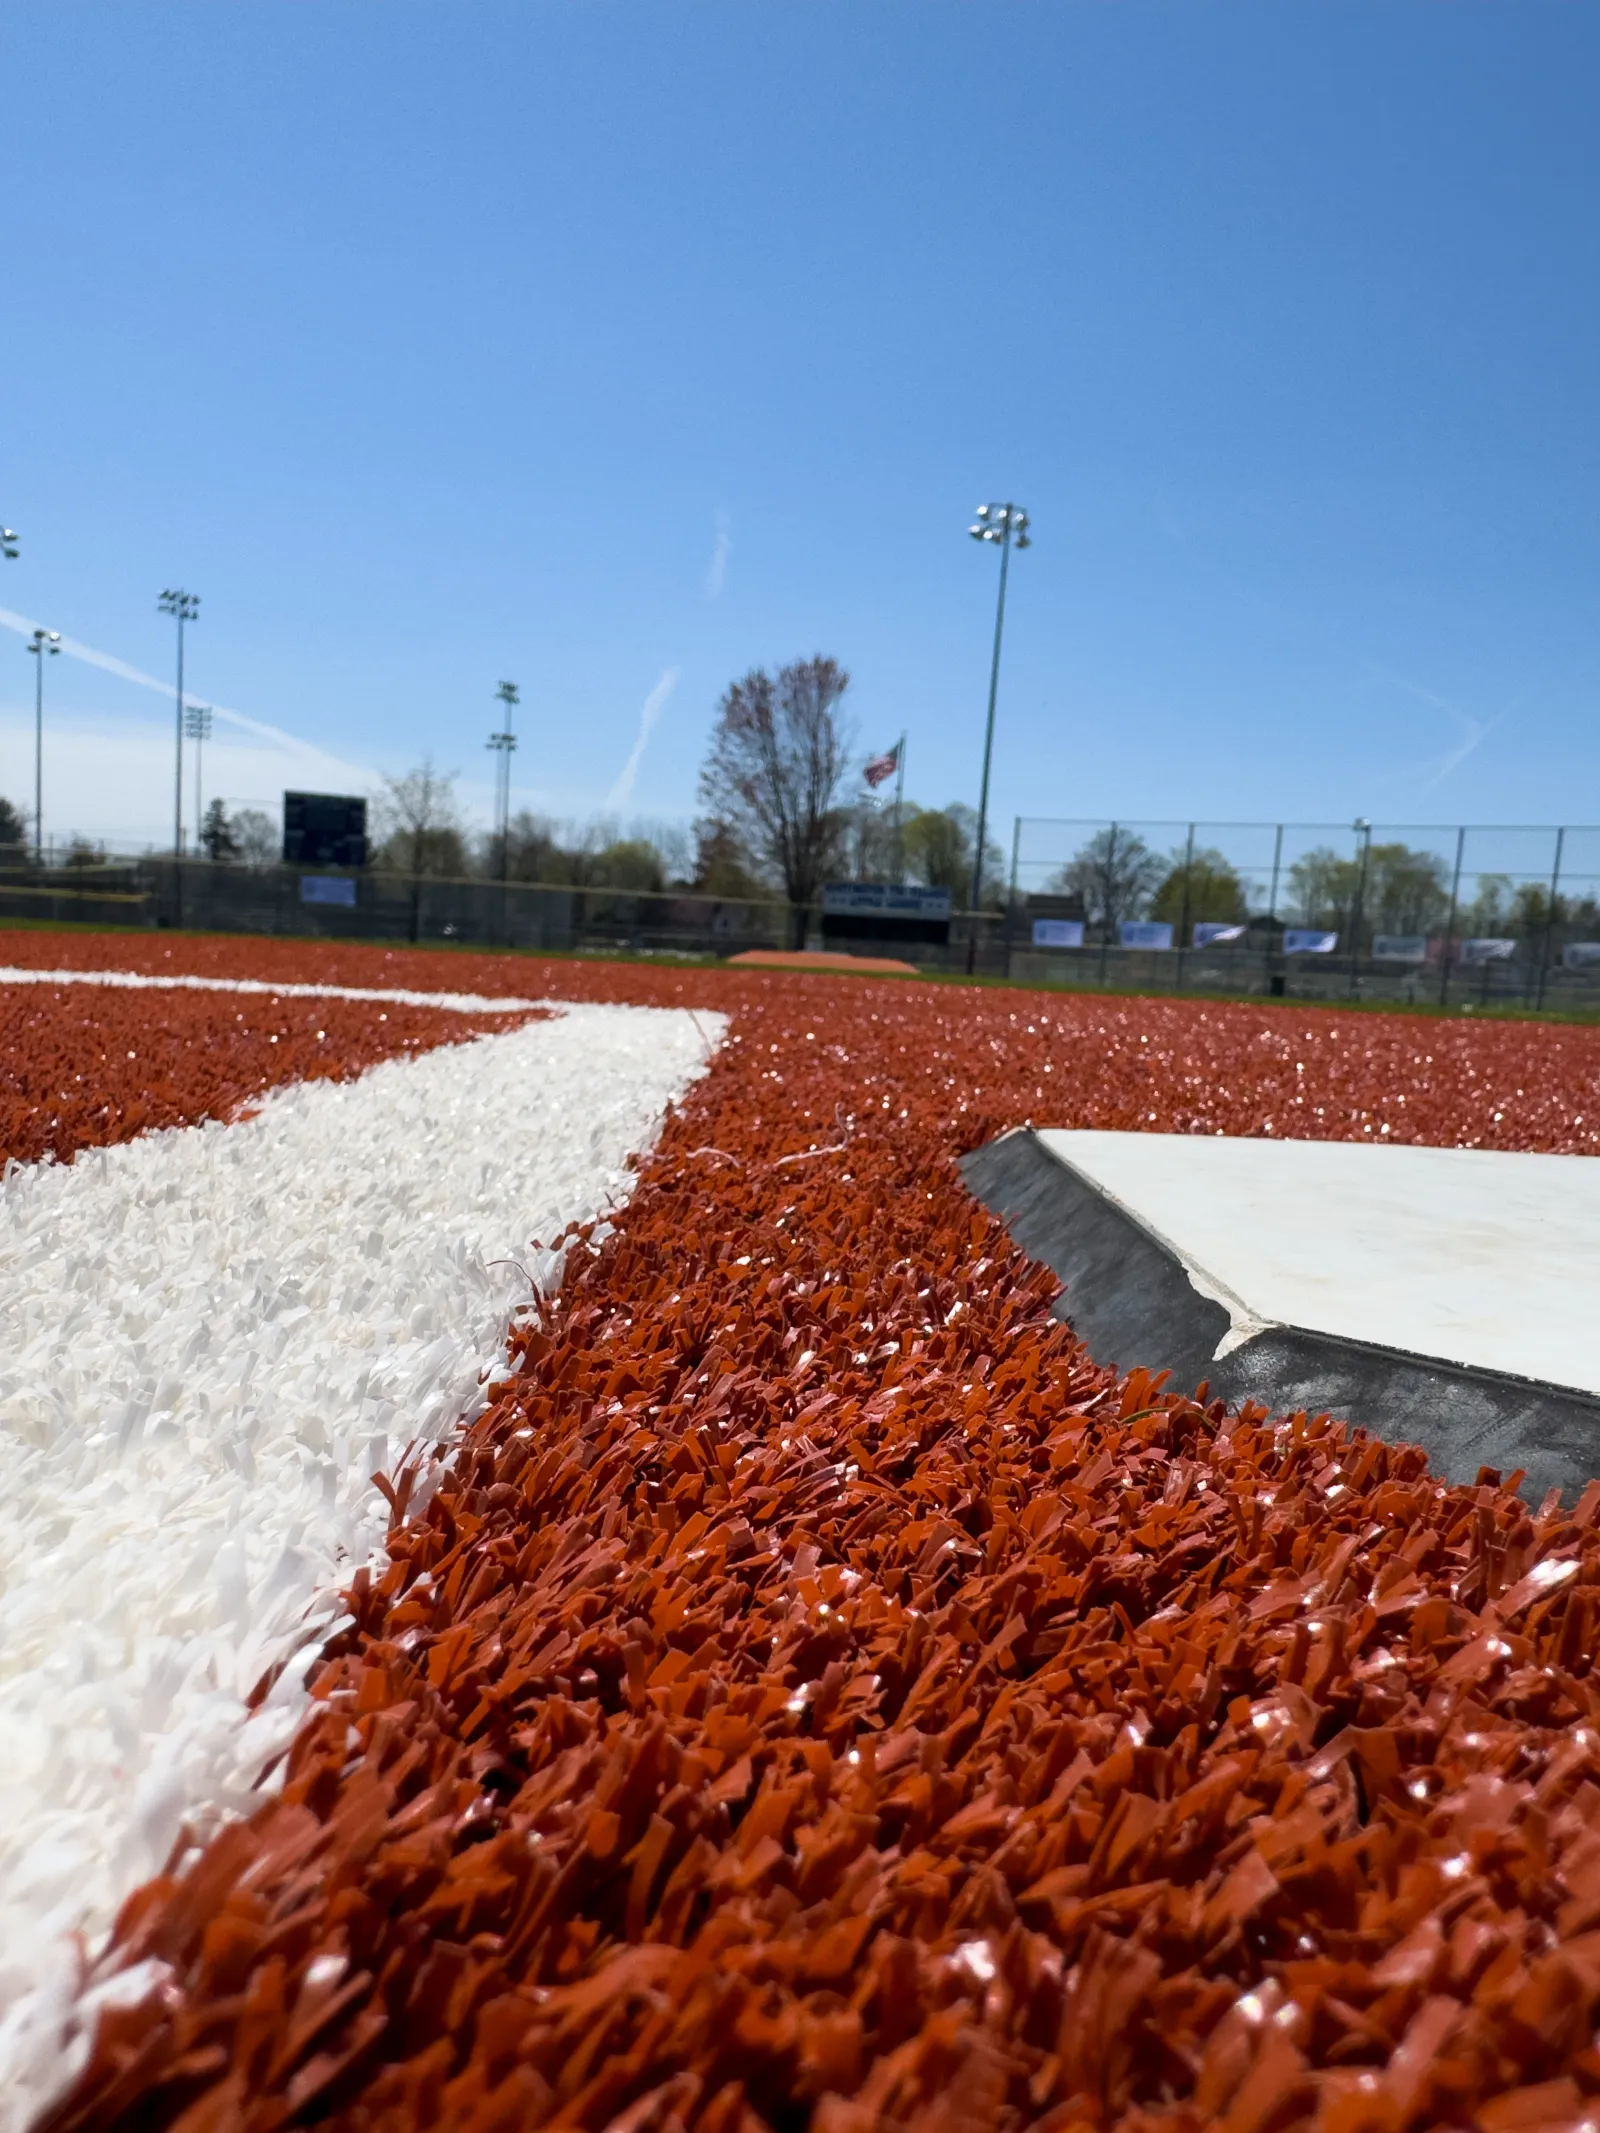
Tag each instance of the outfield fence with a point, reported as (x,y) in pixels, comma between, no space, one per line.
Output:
(1458,915)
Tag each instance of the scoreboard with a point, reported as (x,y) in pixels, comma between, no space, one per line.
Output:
(324,829)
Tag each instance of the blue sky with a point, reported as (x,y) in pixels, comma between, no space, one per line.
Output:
(596,345)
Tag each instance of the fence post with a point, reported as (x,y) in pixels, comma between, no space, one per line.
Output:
(1183,922)
(1450,922)
(1550,916)
(1106,901)
(1011,902)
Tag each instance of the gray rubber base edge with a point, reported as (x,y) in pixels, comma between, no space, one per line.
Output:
(1130,1301)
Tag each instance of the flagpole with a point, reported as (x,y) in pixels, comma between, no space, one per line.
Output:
(899,797)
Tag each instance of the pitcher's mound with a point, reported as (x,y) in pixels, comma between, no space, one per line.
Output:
(820,959)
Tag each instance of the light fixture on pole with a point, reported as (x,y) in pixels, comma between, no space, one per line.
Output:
(197,728)
(503,744)
(43,644)
(10,547)
(1007,526)
(183,607)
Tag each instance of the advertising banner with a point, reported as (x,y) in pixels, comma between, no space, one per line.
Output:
(1308,940)
(883,899)
(1581,955)
(1488,951)
(1146,933)
(327,889)
(1058,933)
(1212,933)
(1400,947)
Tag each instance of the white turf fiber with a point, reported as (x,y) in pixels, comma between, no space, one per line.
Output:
(460,1003)
(210,1338)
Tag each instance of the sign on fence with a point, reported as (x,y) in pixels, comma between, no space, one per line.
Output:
(884,911)
(1400,947)
(327,889)
(1581,955)
(1058,933)
(1213,932)
(1488,951)
(1146,933)
(1307,940)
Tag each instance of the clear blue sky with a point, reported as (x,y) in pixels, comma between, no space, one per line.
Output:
(435,344)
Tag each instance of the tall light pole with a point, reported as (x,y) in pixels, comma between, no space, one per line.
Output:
(197,728)
(10,547)
(44,643)
(183,607)
(503,744)
(1006,524)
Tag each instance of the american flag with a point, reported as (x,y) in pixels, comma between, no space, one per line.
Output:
(882,766)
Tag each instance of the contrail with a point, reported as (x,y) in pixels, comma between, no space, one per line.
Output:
(108,663)
(654,704)
(717,569)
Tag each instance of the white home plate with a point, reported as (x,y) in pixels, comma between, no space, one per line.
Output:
(1442,1296)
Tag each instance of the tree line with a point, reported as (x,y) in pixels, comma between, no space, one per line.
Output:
(1116,876)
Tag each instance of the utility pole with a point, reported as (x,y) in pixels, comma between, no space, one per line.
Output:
(899,811)
(503,744)
(1006,524)
(197,728)
(183,607)
(43,644)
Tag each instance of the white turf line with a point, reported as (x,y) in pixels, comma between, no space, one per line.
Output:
(461,1003)
(210,1338)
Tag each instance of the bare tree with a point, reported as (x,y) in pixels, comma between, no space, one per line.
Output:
(1115,873)
(257,836)
(421,831)
(778,756)
(417,822)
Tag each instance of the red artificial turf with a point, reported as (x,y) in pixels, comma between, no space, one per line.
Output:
(85,1066)
(818,1695)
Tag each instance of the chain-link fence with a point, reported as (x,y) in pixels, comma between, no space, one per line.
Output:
(1327,910)
(1308,910)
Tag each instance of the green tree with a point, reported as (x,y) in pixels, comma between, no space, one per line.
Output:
(629,863)
(722,865)
(1407,891)
(217,838)
(13,831)
(1207,888)
(937,843)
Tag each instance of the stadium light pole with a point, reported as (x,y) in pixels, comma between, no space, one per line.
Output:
(44,643)
(10,547)
(1006,525)
(183,607)
(197,728)
(502,744)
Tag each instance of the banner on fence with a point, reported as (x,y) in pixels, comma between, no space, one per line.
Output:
(885,899)
(1058,933)
(1581,955)
(1488,951)
(1146,933)
(1307,940)
(1213,932)
(1400,947)
(327,889)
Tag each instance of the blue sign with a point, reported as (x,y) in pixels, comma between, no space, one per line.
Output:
(1400,947)
(1058,933)
(1210,931)
(1488,951)
(327,889)
(1146,933)
(1307,940)
(883,899)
